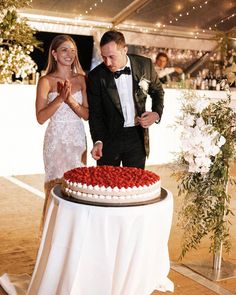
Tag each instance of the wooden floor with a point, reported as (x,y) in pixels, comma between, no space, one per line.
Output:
(20,212)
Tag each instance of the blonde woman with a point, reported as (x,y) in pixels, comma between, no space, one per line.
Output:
(62,99)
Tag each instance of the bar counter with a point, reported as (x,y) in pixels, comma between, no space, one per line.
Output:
(22,137)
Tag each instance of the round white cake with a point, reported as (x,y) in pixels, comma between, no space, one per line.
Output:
(109,184)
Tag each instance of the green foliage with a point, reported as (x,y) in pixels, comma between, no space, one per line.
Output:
(225,39)
(206,205)
(228,55)
(6,4)
(16,41)
(15,30)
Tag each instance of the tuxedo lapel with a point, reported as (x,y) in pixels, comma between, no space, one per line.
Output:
(113,93)
(139,96)
(111,88)
(137,73)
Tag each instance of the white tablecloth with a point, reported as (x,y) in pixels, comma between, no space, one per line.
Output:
(87,250)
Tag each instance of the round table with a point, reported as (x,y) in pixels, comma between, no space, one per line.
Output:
(87,250)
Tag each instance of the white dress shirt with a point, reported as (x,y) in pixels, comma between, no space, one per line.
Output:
(124,86)
(164,72)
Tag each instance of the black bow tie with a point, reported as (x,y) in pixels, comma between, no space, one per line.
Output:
(125,71)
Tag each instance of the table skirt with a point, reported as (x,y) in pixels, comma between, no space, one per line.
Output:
(87,250)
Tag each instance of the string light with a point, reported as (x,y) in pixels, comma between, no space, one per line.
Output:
(92,25)
(187,13)
(66,21)
(223,20)
(92,7)
(193,9)
(183,14)
(161,29)
(158,25)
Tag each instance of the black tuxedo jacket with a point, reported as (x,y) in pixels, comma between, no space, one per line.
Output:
(105,112)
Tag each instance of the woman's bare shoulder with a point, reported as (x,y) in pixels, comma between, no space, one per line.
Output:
(79,77)
(47,81)
(78,81)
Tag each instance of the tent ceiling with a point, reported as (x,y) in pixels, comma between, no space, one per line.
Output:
(178,15)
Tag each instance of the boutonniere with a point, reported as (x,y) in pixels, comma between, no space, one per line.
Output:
(144,85)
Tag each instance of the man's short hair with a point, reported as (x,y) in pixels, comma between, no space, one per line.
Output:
(162,54)
(113,35)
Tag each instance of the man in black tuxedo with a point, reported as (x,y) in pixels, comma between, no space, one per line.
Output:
(117,91)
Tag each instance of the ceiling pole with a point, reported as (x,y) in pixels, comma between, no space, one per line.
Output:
(201,61)
(131,8)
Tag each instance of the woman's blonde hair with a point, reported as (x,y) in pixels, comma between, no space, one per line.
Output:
(52,64)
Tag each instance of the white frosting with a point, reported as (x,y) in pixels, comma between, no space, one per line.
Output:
(113,195)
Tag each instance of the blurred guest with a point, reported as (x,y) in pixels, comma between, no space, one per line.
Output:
(161,69)
(62,99)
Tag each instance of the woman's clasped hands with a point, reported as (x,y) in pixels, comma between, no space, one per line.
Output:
(64,91)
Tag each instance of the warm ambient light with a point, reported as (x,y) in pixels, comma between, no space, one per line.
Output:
(80,20)
(193,10)
(179,7)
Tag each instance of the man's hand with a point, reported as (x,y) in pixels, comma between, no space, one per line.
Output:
(148,118)
(96,152)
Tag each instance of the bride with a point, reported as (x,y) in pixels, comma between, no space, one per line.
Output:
(61,98)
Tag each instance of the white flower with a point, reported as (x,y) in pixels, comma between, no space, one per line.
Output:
(199,143)
(203,161)
(231,77)
(221,141)
(188,120)
(231,59)
(201,104)
(200,122)
(229,68)
(144,85)
(15,61)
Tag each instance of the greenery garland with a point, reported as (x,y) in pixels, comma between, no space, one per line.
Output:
(205,176)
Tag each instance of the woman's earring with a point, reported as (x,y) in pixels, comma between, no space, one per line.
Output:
(55,58)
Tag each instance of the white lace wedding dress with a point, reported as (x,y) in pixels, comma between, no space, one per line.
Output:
(64,141)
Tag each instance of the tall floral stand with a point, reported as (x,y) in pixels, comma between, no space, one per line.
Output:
(217,270)
(208,145)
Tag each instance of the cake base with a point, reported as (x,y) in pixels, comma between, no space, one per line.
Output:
(59,192)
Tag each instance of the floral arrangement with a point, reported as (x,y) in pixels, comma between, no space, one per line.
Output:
(15,61)
(144,85)
(200,141)
(229,66)
(208,137)
(228,55)
(16,42)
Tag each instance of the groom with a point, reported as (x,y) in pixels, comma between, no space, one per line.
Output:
(117,91)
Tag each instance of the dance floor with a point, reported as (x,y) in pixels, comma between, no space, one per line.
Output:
(21,202)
